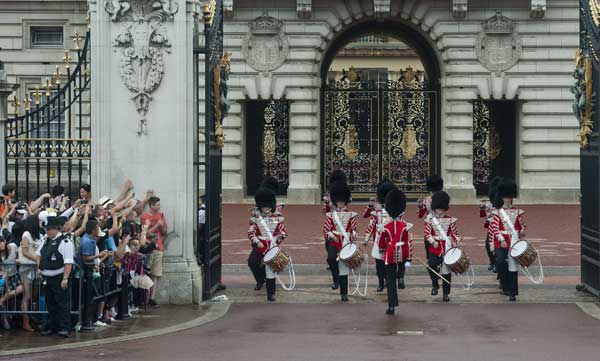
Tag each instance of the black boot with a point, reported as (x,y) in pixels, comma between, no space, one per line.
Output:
(512,298)
(390,311)
(380,288)
(344,288)
(259,285)
(446,298)
(335,285)
(401,283)
(271,290)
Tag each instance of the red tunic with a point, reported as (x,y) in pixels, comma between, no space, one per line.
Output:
(396,232)
(501,231)
(486,212)
(258,234)
(330,228)
(448,225)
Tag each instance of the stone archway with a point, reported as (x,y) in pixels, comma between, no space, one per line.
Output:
(385,129)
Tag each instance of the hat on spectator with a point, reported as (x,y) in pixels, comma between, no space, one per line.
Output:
(53,222)
(105,201)
(101,233)
(44,215)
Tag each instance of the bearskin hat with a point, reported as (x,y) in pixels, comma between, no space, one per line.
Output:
(507,188)
(339,192)
(435,183)
(270,183)
(383,189)
(264,198)
(493,188)
(395,203)
(337,175)
(440,200)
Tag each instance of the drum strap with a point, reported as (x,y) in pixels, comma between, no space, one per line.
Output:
(340,227)
(511,226)
(440,230)
(269,234)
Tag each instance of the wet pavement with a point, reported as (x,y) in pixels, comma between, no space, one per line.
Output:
(143,322)
(553,229)
(259,331)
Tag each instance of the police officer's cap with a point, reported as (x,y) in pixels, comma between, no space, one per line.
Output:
(54,222)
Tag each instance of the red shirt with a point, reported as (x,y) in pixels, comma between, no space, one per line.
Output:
(159,232)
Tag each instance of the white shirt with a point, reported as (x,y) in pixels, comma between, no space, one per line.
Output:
(66,249)
(202,215)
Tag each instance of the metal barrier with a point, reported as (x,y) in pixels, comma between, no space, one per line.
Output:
(87,287)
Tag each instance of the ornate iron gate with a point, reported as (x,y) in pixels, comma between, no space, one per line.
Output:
(267,143)
(586,109)
(380,130)
(494,142)
(216,73)
(50,143)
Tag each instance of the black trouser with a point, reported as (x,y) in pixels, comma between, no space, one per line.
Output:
(509,281)
(488,249)
(435,262)
(392,290)
(427,245)
(343,285)
(381,272)
(332,255)
(271,287)
(256,266)
(58,304)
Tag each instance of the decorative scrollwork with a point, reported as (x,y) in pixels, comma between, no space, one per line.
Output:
(483,152)
(584,95)
(220,90)
(275,144)
(142,46)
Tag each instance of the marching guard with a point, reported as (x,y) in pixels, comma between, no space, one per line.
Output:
(337,175)
(340,229)
(379,216)
(266,230)
(439,229)
(486,211)
(434,183)
(397,243)
(506,219)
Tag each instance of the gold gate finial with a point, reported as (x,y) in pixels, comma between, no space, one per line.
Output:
(27,103)
(57,75)
(16,104)
(77,41)
(37,95)
(67,59)
(47,87)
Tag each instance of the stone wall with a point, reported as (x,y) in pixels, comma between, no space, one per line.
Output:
(547,149)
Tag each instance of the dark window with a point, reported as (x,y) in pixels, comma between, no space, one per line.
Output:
(46,36)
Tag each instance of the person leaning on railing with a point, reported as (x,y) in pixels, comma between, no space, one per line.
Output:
(56,262)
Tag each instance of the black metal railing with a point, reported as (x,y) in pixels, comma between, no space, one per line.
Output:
(50,142)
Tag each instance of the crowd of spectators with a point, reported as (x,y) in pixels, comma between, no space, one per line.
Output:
(108,244)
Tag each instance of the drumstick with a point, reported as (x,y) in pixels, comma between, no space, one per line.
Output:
(432,270)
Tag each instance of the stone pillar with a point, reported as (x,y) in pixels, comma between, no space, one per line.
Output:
(5,90)
(143,120)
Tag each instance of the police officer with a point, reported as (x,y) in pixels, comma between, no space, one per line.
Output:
(55,263)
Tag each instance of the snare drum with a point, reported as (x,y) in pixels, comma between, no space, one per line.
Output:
(352,255)
(277,259)
(524,253)
(456,260)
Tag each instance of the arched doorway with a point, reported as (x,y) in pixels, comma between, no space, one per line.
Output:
(380,99)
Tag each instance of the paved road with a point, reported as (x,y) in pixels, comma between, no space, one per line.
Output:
(553,229)
(363,332)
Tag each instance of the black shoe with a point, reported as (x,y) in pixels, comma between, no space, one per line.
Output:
(380,288)
(221,287)
(152,303)
(47,332)
(344,298)
(63,333)
(434,291)
(401,283)
(259,286)
(390,311)
(490,267)
(271,298)
(446,298)
(335,285)
(512,298)
(504,293)
(494,270)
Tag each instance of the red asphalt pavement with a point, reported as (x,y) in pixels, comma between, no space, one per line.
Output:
(354,332)
(553,229)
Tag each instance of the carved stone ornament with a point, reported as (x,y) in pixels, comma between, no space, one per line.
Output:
(265,47)
(142,45)
(498,46)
